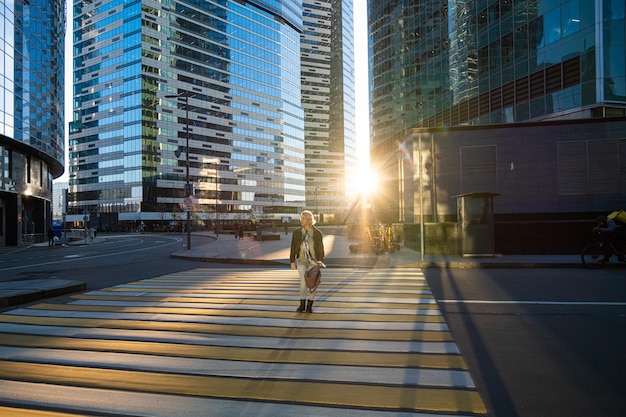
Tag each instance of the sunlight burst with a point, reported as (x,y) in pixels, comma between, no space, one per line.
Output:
(365,183)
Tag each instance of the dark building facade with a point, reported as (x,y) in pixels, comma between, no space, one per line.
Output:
(31,116)
(551,179)
(438,65)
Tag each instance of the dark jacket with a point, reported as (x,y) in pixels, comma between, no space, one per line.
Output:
(296,241)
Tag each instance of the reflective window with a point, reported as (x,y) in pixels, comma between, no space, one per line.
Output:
(570,17)
(239,63)
(552,26)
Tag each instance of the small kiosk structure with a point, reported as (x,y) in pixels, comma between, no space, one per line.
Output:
(475,224)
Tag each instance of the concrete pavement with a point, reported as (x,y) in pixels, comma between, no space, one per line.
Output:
(227,249)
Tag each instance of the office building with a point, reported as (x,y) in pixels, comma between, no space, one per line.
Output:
(205,93)
(59,201)
(459,77)
(198,106)
(31,116)
(327,50)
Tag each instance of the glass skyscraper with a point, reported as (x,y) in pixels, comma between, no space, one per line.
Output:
(439,64)
(449,63)
(170,90)
(31,115)
(327,49)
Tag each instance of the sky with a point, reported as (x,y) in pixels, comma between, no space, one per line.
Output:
(360,75)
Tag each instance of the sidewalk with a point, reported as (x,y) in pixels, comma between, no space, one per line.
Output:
(227,249)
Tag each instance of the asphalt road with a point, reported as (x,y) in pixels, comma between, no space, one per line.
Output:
(540,342)
(115,259)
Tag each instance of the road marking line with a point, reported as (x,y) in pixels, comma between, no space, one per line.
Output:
(180,349)
(148,362)
(291,332)
(98,255)
(303,392)
(234,317)
(22,412)
(528,302)
(417,304)
(420,308)
(261,342)
(376,341)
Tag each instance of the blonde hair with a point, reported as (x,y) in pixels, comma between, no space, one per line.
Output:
(308,213)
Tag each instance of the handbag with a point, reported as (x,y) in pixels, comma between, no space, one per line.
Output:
(313,277)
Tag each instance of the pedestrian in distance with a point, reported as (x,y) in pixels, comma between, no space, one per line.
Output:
(307,250)
(50,237)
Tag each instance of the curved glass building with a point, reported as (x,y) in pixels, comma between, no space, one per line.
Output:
(169,93)
(449,63)
(523,98)
(31,115)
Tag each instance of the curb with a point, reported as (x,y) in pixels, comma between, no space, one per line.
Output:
(231,260)
(21,292)
(373,263)
(331,262)
(262,262)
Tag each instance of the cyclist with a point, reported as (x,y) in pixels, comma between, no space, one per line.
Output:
(612,234)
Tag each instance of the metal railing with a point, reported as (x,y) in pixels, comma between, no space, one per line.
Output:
(33,238)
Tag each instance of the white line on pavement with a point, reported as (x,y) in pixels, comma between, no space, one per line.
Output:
(530,302)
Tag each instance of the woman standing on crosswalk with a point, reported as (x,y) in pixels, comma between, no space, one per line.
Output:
(307,249)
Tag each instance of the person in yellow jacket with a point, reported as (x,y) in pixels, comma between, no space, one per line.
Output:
(612,234)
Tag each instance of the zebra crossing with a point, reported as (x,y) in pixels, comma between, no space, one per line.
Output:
(228,342)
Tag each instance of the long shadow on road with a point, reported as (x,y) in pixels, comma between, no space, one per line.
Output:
(473,347)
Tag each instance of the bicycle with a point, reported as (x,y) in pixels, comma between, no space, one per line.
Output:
(592,255)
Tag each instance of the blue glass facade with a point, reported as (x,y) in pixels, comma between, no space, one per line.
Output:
(166,87)
(448,63)
(31,115)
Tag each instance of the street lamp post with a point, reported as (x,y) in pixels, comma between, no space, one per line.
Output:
(188,190)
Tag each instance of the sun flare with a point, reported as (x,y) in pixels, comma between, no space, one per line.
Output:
(366,182)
